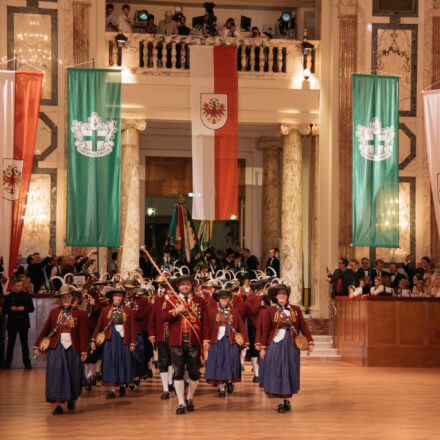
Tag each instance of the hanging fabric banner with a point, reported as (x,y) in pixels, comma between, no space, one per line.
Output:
(431,101)
(19,112)
(375,161)
(214,119)
(93,157)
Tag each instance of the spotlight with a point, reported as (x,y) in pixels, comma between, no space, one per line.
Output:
(286,16)
(121,40)
(143,15)
(306,74)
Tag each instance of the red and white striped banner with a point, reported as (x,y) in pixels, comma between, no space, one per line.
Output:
(214,117)
(19,110)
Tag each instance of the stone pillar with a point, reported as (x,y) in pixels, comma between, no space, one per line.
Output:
(130,197)
(291,212)
(271,196)
(81,31)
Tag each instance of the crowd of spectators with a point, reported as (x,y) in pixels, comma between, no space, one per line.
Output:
(176,24)
(405,280)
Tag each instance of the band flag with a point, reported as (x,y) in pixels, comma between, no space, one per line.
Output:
(93,157)
(19,112)
(375,161)
(214,117)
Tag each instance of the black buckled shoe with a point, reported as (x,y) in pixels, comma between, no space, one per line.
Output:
(137,382)
(131,387)
(57,410)
(171,388)
(88,386)
(255,379)
(287,405)
(165,395)
(71,405)
(110,395)
(229,387)
(93,381)
(221,394)
(122,391)
(281,408)
(180,409)
(189,405)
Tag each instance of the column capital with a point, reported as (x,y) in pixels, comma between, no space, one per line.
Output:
(302,129)
(269,143)
(134,124)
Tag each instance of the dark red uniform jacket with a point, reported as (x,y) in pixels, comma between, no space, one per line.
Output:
(156,324)
(269,325)
(252,305)
(128,322)
(140,312)
(258,323)
(199,309)
(94,311)
(79,330)
(234,318)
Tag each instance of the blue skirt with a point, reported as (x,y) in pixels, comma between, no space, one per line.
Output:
(63,374)
(260,371)
(117,361)
(140,366)
(281,368)
(223,364)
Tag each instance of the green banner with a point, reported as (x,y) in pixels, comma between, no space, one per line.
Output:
(93,157)
(375,161)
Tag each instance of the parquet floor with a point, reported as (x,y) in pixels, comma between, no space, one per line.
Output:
(337,401)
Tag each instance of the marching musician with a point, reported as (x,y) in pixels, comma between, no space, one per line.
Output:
(280,327)
(223,366)
(139,306)
(188,331)
(67,331)
(117,323)
(158,331)
(145,295)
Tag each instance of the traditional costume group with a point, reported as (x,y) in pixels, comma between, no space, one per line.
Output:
(108,333)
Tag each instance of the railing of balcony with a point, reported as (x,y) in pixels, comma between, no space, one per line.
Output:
(147,53)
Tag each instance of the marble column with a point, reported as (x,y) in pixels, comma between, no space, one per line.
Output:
(130,195)
(271,196)
(291,212)
(81,31)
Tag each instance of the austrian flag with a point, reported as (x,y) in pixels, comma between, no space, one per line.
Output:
(19,110)
(214,117)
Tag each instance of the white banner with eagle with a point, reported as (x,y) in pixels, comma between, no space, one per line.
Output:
(214,117)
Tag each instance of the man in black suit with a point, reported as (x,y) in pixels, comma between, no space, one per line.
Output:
(378,271)
(17,306)
(358,272)
(341,279)
(273,263)
(228,262)
(35,269)
(395,276)
(250,261)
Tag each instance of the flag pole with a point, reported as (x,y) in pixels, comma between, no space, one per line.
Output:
(370,270)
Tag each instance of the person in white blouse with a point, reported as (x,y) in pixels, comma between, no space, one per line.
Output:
(124,22)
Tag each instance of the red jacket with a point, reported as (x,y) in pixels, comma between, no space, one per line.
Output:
(156,325)
(238,304)
(201,326)
(128,322)
(252,306)
(210,301)
(79,331)
(258,323)
(269,325)
(94,311)
(235,319)
(141,314)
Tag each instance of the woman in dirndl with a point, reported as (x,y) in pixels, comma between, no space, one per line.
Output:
(117,323)
(279,327)
(67,330)
(223,366)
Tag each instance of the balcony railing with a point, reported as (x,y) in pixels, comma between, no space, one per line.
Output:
(147,53)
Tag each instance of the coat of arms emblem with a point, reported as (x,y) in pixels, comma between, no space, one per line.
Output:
(12,177)
(375,141)
(214,110)
(94,138)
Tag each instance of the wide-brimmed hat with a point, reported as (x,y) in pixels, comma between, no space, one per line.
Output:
(161,279)
(64,289)
(177,280)
(273,290)
(112,291)
(223,292)
(258,283)
(131,283)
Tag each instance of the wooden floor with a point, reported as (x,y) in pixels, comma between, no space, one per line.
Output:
(337,401)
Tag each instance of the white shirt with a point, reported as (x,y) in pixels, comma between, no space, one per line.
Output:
(110,20)
(66,340)
(124,25)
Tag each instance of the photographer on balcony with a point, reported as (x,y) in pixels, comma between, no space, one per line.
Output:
(229,29)
(124,22)
(168,26)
